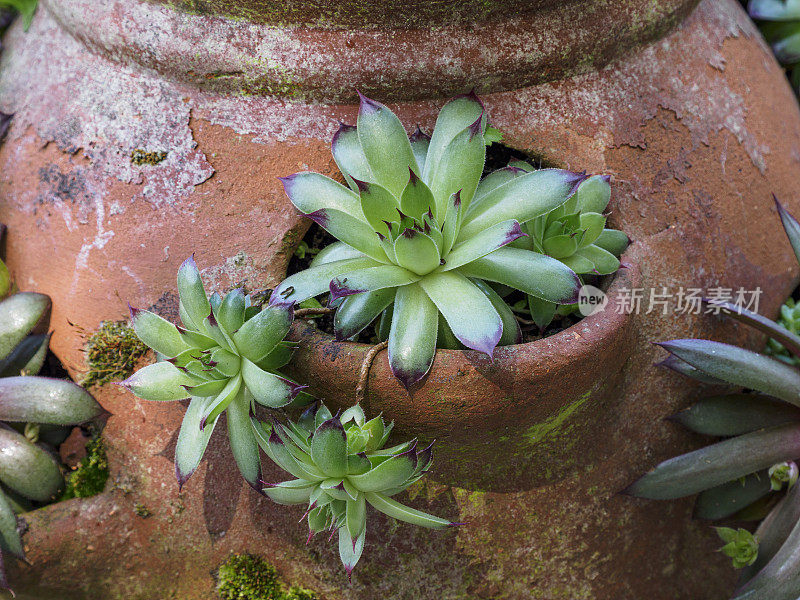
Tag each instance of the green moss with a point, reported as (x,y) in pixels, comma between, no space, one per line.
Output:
(248,577)
(112,353)
(89,479)
(141,157)
(141,510)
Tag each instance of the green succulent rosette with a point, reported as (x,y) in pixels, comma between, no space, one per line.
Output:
(575,233)
(422,234)
(225,358)
(340,466)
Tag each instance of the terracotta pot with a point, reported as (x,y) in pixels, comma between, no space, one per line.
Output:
(143,134)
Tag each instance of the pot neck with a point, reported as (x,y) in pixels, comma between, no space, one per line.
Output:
(323,51)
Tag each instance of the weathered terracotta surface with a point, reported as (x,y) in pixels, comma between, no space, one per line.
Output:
(697,130)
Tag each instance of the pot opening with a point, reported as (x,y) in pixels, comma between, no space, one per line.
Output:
(498,156)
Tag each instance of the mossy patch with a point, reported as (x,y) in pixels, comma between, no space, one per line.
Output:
(112,353)
(248,577)
(141,157)
(89,479)
(142,511)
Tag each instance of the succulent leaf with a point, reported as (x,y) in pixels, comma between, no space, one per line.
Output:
(459,167)
(729,498)
(316,279)
(27,358)
(349,156)
(312,192)
(735,414)
(329,448)
(484,243)
(718,463)
(192,294)
(46,400)
(416,252)
(401,512)
(10,540)
(192,440)
(455,116)
(243,441)
(158,333)
(613,241)
(412,340)
(533,273)
(22,313)
(27,469)
(454,295)
(385,145)
(370,279)
(161,382)
(522,199)
(774,530)
(359,310)
(739,367)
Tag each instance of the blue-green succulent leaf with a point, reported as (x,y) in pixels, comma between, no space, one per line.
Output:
(613,241)
(157,333)
(379,206)
(290,492)
(351,231)
(388,474)
(593,194)
(217,406)
(417,198)
(192,294)
(21,314)
(243,440)
(316,279)
(735,414)
(329,448)
(349,156)
(455,116)
(349,550)
(259,336)
(192,440)
(416,252)
(161,381)
(530,272)
(386,145)
(401,512)
(739,367)
(369,280)
(729,498)
(359,310)
(719,463)
(46,400)
(774,530)
(356,516)
(412,339)
(310,192)
(522,199)
(335,252)
(230,313)
(774,10)
(207,389)
(512,334)
(469,313)
(10,540)
(419,146)
(483,243)
(268,389)
(459,167)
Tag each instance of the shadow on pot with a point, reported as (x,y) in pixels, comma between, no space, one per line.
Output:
(535,414)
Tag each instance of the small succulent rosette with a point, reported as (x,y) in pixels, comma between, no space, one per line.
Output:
(574,233)
(225,358)
(423,235)
(751,474)
(340,465)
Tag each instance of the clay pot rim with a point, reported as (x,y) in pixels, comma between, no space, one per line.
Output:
(223,55)
(607,321)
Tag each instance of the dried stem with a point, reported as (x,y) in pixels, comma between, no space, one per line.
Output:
(311,313)
(363,376)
